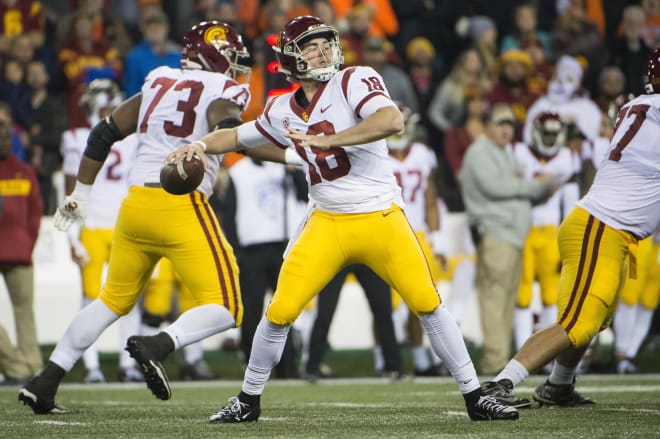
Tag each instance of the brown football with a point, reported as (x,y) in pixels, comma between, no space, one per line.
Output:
(183,176)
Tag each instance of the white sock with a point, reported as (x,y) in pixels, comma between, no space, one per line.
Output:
(462,288)
(641,327)
(562,374)
(198,323)
(548,316)
(623,325)
(84,329)
(379,360)
(193,353)
(420,358)
(523,323)
(514,371)
(267,346)
(91,355)
(128,325)
(447,341)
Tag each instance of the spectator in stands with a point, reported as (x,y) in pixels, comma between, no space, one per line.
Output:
(14,91)
(377,54)
(18,17)
(48,124)
(498,202)
(575,34)
(539,76)
(512,86)
(652,22)
(155,50)
(459,137)
(483,36)
(630,52)
(19,227)
(611,85)
(424,72)
(526,30)
(448,105)
(359,21)
(21,49)
(567,98)
(83,59)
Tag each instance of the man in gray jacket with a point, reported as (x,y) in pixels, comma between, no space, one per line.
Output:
(498,202)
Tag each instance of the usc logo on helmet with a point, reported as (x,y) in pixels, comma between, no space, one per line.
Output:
(215,34)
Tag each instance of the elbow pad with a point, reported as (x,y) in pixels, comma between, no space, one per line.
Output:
(230,122)
(101,139)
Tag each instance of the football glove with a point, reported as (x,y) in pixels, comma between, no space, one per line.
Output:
(73,208)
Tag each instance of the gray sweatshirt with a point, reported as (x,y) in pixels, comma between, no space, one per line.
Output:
(497,198)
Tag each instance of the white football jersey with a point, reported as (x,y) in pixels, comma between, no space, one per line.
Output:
(111,184)
(625,193)
(173,113)
(596,150)
(352,179)
(412,174)
(583,111)
(565,163)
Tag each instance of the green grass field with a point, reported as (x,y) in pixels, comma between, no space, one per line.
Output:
(627,406)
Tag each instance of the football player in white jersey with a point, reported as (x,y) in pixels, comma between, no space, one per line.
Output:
(90,245)
(415,165)
(337,122)
(174,107)
(548,153)
(596,240)
(639,297)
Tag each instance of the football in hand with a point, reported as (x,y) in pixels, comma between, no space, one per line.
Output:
(182,177)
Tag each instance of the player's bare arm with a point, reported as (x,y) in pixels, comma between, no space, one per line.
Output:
(383,123)
(122,122)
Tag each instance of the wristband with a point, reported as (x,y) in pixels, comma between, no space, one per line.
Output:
(200,143)
(292,158)
(81,191)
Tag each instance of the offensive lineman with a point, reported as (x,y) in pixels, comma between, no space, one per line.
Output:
(621,208)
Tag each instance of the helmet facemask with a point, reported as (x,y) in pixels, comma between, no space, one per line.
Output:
(330,51)
(548,136)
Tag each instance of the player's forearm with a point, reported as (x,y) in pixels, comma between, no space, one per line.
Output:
(269,153)
(383,123)
(221,141)
(88,170)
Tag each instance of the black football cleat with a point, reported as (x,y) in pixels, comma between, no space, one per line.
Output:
(502,391)
(488,408)
(560,395)
(149,357)
(39,394)
(236,411)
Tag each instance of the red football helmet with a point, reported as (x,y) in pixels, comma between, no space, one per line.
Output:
(292,62)
(216,47)
(652,79)
(548,134)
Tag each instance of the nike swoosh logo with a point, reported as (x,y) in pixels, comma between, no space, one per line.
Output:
(323,110)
